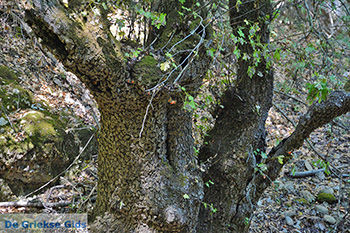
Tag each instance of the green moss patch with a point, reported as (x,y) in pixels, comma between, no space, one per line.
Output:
(12,95)
(36,128)
(302,201)
(326,197)
(7,75)
(37,124)
(147,72)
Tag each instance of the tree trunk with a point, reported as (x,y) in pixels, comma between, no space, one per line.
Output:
(149,179)
(140,179)
(238,137)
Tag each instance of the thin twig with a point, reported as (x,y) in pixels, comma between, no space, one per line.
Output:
(145,116)
(290,96)
(33,203)
(306,173)
(88,197)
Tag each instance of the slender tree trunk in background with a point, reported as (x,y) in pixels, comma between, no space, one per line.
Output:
(239,131)
(149,178)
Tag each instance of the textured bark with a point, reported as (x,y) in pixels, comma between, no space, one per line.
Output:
(239,131)
(231,149)
(142,179)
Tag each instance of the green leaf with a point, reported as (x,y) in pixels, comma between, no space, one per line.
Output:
(148,14)
(293,170)
(211,52)
(262,166)
(65,3)
(310,48)
(238,3)
(246,221)
(187,9)
(209,183)
(205,205)
(280,159)
(251,71)
(104,6)
(240,33)
(165,66)
(237,53)
(192,104)
(186,196)
(213,210)
(277,55)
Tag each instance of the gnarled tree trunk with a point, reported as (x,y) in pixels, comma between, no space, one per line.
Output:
(146,162)
(239,132)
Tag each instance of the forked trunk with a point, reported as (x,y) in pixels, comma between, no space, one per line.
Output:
(149,179)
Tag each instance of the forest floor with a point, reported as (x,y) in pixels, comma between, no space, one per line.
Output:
(288,206)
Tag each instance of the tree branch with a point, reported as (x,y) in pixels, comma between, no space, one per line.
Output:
(34,203)
(305,173)
(337,103)
(80,44)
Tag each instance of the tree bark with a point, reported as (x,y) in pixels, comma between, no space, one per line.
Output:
(140,179)
(146,164)
(239,131)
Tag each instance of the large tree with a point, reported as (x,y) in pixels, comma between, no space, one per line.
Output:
(150,178)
